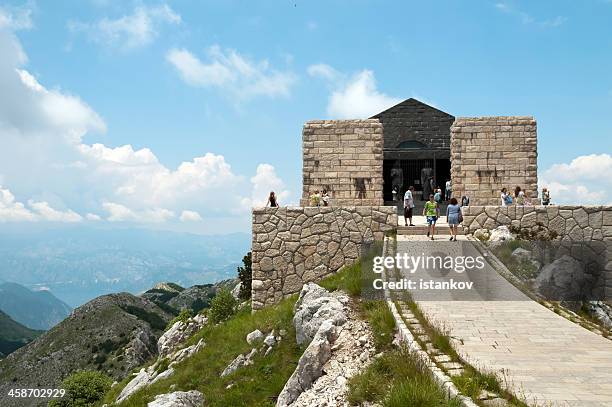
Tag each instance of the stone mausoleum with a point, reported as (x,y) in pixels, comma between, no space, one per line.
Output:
(362,162)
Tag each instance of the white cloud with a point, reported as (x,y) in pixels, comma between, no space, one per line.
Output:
(232,72)
(130,31)
(11,210)
(46,212)
(16,18)
(527,18)
(359,98)
(121,213)
(43,153)
(265,181)
(93,217)
(324,71)
(190,216)
(582,181)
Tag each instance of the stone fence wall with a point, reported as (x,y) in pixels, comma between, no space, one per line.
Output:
(575,223)
(490,153)
(293,246)
(344,157)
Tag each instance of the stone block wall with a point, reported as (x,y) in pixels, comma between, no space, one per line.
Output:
(575,223)
(293,246)
(489,153)
(345,157)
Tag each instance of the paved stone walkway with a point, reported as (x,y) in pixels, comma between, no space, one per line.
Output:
(544,358)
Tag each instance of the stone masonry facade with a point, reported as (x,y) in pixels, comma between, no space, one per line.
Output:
(344,157)
(293,246)
(489,153)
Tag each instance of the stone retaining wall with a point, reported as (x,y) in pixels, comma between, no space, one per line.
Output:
(490,153)
(345,157)
(293,246)
(575,223)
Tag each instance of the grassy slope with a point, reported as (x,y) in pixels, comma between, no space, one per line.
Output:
(255,385)
(395,378)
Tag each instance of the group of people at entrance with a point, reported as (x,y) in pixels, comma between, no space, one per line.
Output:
(431,211)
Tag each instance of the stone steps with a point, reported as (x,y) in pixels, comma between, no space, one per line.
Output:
(422,230)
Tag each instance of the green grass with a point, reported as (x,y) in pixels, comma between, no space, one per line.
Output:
(255,385)
(397,379)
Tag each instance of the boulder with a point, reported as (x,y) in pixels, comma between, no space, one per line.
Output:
(310,365)
(314,306)
(141,380)
(236,291)
(522,254)
(564,280)
(482,234)
(270,340)
(191,398)
(254,336)
(601,311)
(501,234)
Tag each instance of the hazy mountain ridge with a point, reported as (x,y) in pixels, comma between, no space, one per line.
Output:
(13,335)
(80,263)
(38,310)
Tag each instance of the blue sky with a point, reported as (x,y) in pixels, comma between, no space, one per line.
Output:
(178,80)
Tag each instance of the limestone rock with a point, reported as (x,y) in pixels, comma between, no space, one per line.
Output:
(482,234)
(254,336)
(310,365)
(178,333)
(564,280)
(191,398)
(238,362)
(141,380)
(236,291)
(270,340)
(315,306)
(501,234)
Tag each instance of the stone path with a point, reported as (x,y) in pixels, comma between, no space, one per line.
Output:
(544,358)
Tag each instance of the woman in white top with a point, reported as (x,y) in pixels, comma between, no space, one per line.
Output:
(504,197)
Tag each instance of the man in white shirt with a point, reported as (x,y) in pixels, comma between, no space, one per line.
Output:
(448,190)
(408,205)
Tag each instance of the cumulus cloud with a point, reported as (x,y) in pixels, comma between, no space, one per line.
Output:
(359,98)
(190,216)
(44,160)
(263,182)
(46,212)
(130,31)
(581,181)
(230,71)
(11,210)
(323,71)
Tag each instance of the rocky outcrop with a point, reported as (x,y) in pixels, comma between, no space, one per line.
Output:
(240,361)
(178,333)
(113,333)
(318,318)
(314,306)
(564,280)
(254,336)
(191,398)
(601,311)
(500,234)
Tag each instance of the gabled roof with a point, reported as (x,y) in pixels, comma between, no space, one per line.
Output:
(409,106)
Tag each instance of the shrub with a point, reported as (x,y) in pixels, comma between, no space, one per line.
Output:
(83,388)
(223,306)
(245,274)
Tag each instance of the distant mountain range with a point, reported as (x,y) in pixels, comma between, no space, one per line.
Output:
(39,310)
(78,263)
(13,335)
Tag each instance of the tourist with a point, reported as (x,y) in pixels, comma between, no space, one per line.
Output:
(438,196)
(453,217)
(506,199)
(519,196)
(432,212)
(315,199)
(448,189)
(408,206)
(545,196)
(325,198)
(272,200)
(465,201)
